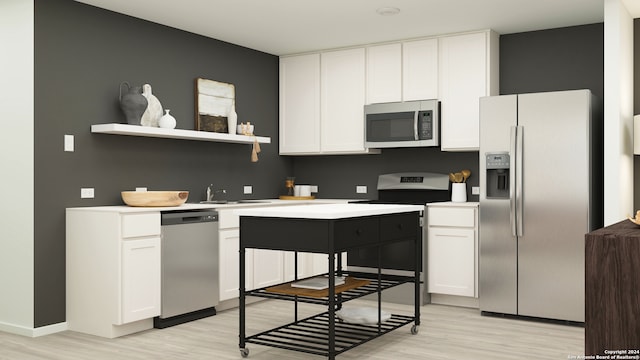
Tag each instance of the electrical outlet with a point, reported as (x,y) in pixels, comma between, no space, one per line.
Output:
(141,189)
(475,190)
(361,189)
(68,143)
(248,189)
(86,193)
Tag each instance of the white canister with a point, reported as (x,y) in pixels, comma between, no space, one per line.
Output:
(459,192)
(296,190)
(305,190)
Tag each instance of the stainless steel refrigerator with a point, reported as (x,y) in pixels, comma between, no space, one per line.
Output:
(538,198)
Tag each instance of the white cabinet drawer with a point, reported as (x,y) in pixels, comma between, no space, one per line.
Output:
(142,224)
(451,216)
(227,219)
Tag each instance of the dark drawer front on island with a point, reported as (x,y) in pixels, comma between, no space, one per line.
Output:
(356,232)
(326,235)
(284,234)
(400,226)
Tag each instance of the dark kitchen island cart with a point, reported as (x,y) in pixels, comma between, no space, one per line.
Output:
(329,229)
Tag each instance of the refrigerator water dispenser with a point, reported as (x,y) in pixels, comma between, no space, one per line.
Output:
(497,165)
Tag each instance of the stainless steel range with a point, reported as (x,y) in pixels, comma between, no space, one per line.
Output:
(415,188)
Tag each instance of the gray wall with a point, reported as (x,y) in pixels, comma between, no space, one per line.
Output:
(82,53)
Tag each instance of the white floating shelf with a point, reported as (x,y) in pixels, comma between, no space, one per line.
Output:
(136,130)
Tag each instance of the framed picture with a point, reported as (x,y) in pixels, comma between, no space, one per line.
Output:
(213,103)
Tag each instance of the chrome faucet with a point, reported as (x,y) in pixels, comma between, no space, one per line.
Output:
(212,192)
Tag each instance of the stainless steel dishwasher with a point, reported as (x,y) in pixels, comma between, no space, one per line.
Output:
(190,288)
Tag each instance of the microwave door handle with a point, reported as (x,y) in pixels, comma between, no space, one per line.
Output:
(415,125)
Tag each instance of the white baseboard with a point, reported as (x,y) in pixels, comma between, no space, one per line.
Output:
(453,300)
(33,332)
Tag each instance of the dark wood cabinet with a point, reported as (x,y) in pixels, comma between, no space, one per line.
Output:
(612,289)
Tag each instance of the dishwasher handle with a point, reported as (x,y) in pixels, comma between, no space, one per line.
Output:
(187,217)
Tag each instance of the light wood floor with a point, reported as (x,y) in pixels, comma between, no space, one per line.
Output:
(445,333)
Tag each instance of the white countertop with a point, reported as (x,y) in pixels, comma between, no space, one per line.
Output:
(328,211)
(454,204)
(198,206)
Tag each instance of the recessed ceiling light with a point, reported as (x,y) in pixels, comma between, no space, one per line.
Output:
(387,11)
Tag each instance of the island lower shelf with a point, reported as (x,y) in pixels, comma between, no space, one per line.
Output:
(371,286)
(311,335)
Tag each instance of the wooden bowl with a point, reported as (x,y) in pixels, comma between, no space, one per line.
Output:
(154,198)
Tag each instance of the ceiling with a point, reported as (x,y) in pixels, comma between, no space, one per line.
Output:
(282,27)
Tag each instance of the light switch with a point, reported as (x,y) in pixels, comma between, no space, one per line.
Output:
(86,193)
(475,190)
(248,189)
(68,143)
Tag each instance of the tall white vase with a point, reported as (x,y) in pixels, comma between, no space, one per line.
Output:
(232,119)
(153,113)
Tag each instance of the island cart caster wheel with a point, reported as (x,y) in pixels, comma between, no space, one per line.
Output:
(244,352)
(414,329)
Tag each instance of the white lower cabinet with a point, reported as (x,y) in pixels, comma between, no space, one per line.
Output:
(262,267)
(308,265)
(268,268)
(452,240)
(112,271)
(140,280)
(229,260)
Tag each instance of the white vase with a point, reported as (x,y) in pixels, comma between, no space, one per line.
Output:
(167,121)
(459,192)
(153,113)
(232,119)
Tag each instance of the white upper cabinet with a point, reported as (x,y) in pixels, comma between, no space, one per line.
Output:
(300,104)
(322,103)
(420,70)
(402,71)
(468,71)
(342,101)
(322,94)
(384,73)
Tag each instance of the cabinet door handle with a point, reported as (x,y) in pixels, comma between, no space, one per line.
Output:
(358,232)
(399,226)
(451,235)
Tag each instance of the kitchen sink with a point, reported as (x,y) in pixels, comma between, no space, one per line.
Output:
(246,201)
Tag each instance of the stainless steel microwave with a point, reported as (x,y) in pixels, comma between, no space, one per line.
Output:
(402,124)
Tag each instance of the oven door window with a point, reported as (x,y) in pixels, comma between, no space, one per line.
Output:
(391,126)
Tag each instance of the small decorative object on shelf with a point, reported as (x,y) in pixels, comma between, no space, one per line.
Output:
(290,183)
(133,103)
(245,129)
(232,119)
(153,113)
(167,121)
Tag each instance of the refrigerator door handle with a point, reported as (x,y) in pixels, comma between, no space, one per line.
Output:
(519,180)
(512,181)
(415,126)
